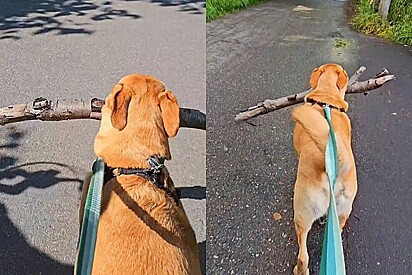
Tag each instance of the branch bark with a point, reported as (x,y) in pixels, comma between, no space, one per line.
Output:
(270,105)
(48,110)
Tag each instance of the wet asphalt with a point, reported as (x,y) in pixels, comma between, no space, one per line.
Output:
(269,51)
(80,49)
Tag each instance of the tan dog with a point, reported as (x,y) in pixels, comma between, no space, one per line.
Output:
(311,194)
(143,230)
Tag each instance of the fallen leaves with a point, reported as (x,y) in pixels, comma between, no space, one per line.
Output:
(277,216)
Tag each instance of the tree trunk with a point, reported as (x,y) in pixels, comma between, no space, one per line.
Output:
(384,6)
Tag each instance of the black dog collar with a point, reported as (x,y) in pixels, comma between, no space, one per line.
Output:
(322,104)
(153,174)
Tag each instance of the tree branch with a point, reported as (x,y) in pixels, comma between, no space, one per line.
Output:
(48,110)
(270,105)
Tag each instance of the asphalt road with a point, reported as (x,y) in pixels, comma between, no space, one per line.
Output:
(269,51)
(80,49)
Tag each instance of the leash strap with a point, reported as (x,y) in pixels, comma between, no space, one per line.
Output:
(87,241)
(332,260)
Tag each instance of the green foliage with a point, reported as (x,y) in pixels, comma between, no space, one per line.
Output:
(216,8)
(398,27)
(401,10)
(369,22)
(343,43)
(400,17)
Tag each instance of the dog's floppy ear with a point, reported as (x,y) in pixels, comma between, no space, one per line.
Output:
(170,113)
(342,79)
(315,77)
(120,106)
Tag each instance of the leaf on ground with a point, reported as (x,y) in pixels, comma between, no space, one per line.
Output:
(277,216)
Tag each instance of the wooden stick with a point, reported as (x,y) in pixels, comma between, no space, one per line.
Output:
(270,105)
(48,110)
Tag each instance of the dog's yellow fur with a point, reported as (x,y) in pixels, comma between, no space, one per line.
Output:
(311,194)
(142,230)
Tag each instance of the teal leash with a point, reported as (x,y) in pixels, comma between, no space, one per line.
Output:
(332,260)
(90,224)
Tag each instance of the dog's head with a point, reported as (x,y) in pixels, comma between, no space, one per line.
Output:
(330,73)
(329,82)
(138,117)
(137,97)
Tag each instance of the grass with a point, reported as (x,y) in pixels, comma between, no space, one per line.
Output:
(343,43)
(340,43)
(397,28)
(400,15)
(216,8)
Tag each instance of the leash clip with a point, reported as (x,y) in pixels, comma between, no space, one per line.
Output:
(116,172)
(155,165)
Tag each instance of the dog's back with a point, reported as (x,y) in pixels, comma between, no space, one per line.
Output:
(311,134)
(143,232)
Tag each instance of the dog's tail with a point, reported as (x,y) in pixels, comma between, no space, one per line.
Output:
(314,123)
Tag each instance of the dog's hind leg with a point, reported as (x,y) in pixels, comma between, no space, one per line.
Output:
(344,201)
(301,267)
(308,206)
(344,209)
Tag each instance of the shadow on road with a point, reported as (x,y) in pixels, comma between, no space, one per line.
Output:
(62,17)
(194,192)
(192,6)
(55,16)
(202,255)
(17,255)
(37,179)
